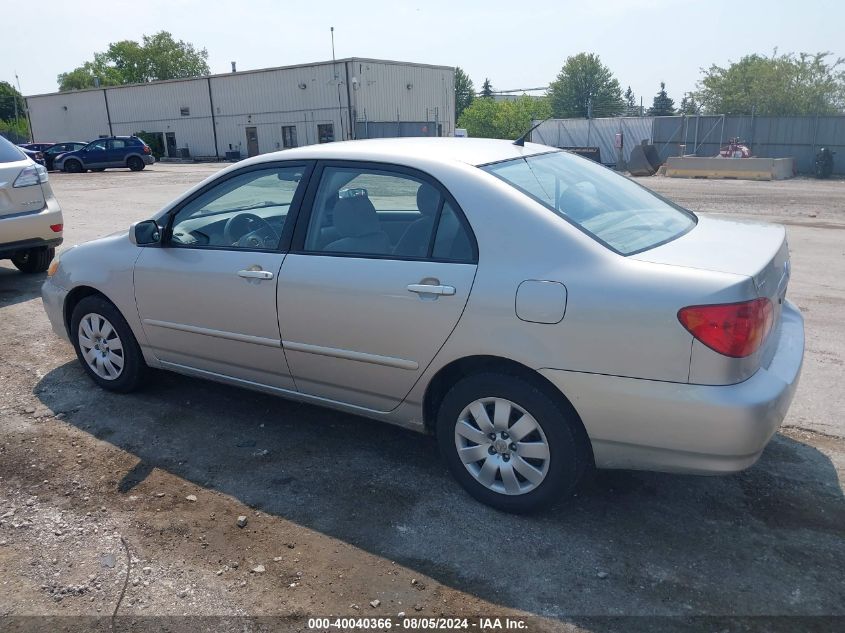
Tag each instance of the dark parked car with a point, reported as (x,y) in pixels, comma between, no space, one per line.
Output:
(36,147)
(38,157)
(52,153)
(115,151)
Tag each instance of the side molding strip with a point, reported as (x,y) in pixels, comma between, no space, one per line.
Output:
(231,336)
(374,359)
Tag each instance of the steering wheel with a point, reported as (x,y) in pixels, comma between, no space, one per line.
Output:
(248,230)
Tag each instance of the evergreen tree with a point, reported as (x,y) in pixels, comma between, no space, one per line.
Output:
(487,88)
(662,104)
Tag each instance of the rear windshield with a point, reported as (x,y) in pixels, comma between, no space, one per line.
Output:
(615,211)
(9,153)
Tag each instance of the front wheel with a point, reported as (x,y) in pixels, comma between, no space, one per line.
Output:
(135,164)
(105,345)
(510,444)
(73,167)
(35,260)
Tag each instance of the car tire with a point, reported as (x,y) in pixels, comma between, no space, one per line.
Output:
(103,340)
(73,166)
(135,164)
(34,260)
(549,430)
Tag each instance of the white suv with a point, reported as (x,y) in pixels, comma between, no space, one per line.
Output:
(30,217)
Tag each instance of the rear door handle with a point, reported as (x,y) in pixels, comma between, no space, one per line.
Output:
(425,289)
(255,274)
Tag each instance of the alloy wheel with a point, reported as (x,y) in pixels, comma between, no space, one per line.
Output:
(502,446)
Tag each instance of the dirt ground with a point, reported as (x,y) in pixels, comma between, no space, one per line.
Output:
(103,496)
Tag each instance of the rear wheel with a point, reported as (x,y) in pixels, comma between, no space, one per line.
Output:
(510,444)
(73,166)
(135,164)
(105,345)
(35,260)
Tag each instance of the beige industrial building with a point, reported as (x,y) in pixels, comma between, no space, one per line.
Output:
(241,114)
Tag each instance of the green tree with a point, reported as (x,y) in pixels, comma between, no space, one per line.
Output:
(662,105)
(487,88)
(631,107)
(157,57)
(464,92)
(11,102)
(785,84)
(689,104)
(585,87)
(507,119)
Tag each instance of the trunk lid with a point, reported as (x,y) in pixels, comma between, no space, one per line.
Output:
(759,251)
(16,200)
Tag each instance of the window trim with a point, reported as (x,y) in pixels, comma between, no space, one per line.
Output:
(291,218)
(297,246)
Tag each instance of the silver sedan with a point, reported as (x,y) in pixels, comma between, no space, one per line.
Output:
(538,313)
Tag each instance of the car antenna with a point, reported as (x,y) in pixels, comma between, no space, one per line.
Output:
(521,140)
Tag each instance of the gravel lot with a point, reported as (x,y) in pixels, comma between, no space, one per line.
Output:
(349,517)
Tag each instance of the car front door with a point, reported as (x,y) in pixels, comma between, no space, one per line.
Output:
(362,313)
(94,154)
(207,295)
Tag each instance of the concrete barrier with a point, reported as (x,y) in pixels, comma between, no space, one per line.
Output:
(739,168)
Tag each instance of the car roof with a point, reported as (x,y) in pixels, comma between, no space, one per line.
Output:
(472,151)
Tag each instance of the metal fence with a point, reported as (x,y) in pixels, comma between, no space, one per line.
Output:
(798,137)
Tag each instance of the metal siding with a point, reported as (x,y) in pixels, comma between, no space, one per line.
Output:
(157,108)
(84,119)
(265,99)
(272,99)
(383,94)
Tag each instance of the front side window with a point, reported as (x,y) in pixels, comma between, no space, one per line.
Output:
(97,145)
(245,211)
(613,210)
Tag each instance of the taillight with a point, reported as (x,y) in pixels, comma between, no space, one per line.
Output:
(732,329)
(147,149)
(56,228)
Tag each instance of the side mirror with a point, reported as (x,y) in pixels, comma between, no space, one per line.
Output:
(145,233)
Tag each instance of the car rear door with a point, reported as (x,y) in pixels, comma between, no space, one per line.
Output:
(363,315)
(207,296)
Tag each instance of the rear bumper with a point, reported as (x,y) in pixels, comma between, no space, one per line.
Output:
(30,229)
(9,249)
(653,425)
(149,159)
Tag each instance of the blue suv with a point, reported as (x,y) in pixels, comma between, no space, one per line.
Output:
(115,151)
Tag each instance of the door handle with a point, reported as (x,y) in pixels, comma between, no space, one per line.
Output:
(255,274)
(425,289)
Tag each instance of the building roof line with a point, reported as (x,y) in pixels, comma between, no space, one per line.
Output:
(244,72)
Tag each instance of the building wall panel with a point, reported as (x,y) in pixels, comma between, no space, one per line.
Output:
(383,92)
(68,116)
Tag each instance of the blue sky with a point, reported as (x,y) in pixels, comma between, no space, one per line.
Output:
(516,44)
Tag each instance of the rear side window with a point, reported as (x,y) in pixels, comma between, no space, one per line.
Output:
(617,212)
(9,153)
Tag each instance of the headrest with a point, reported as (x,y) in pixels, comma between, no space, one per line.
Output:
(428,199)
(356,216)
